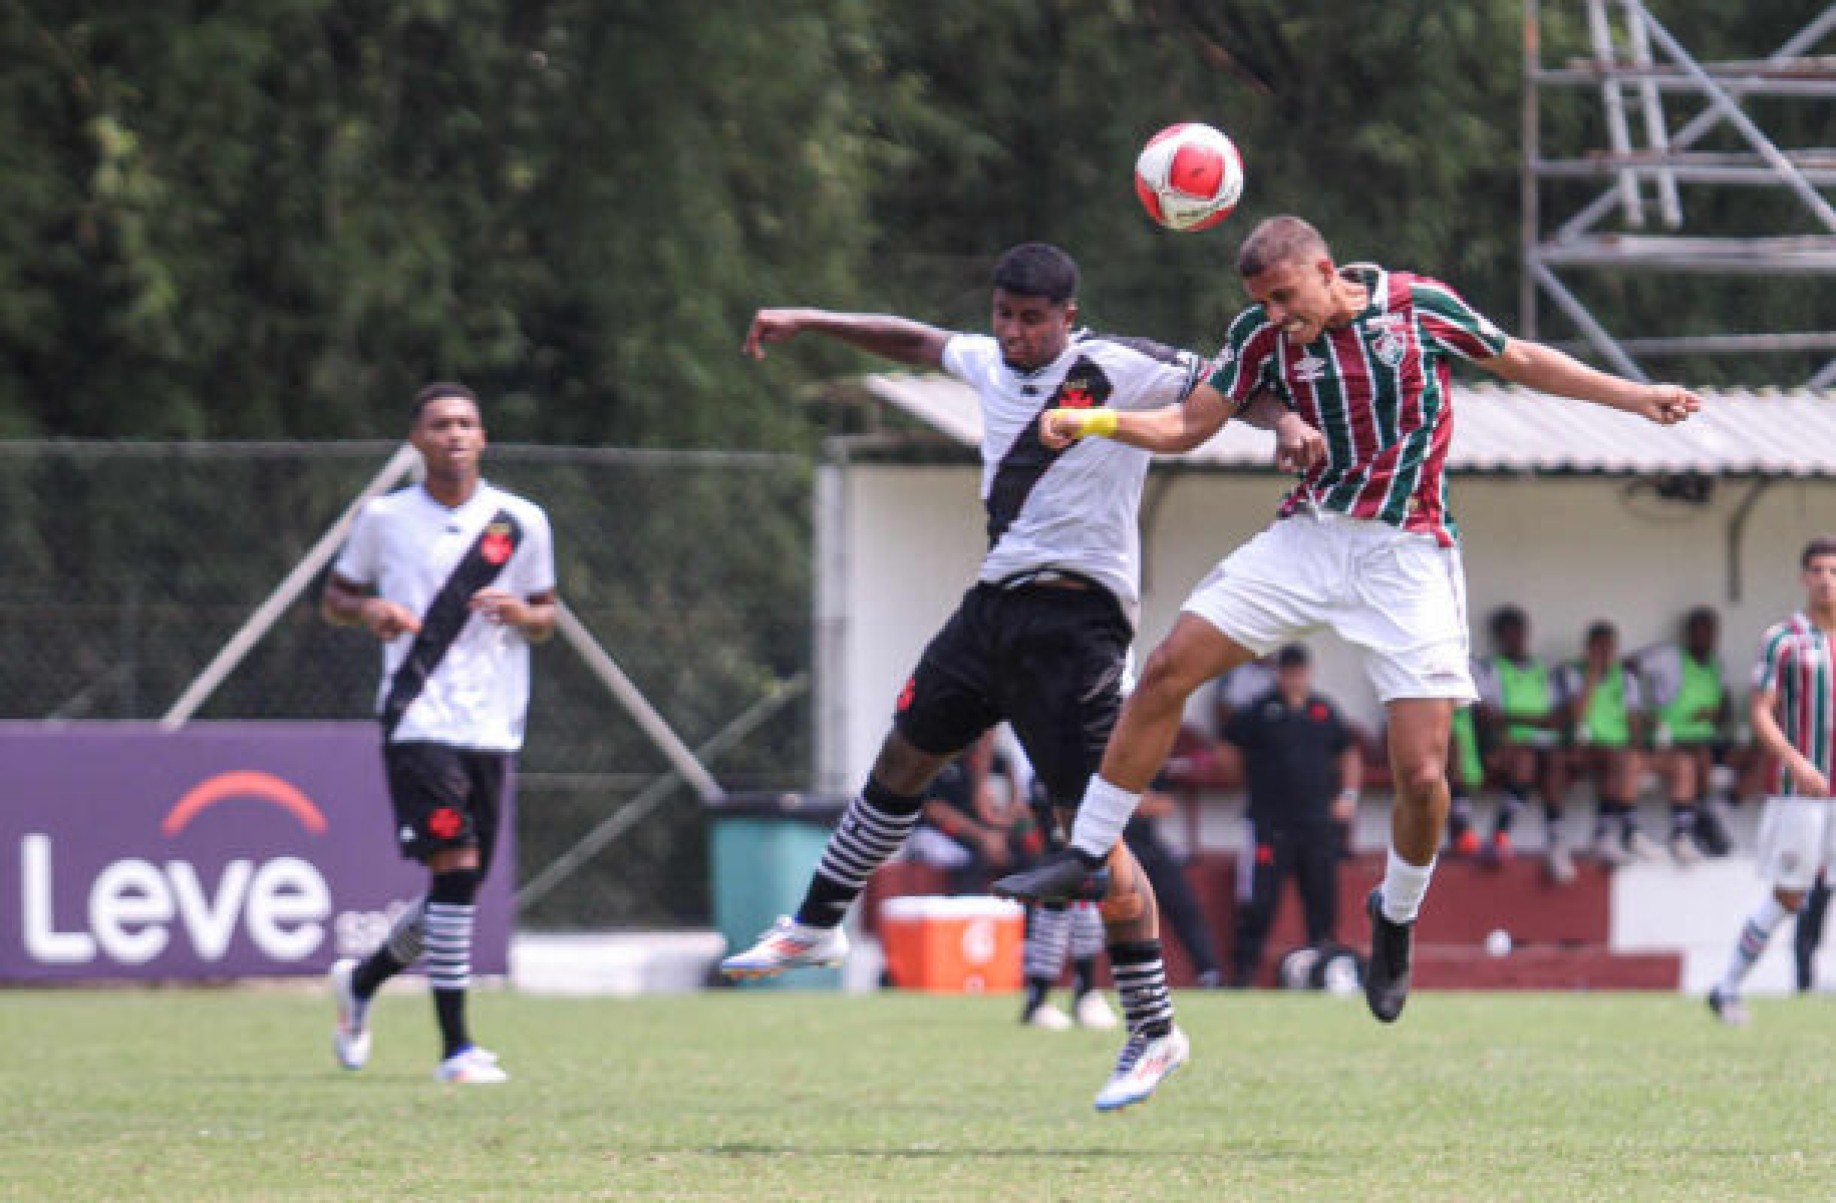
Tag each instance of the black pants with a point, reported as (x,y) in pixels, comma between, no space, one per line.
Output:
(1178,906)
(1048,660)
(1310,854)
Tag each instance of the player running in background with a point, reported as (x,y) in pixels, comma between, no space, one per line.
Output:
(1793,709)
(457,579)
(1042,637)
(1365,544)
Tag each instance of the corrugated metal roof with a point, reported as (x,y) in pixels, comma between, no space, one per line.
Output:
(1501,428)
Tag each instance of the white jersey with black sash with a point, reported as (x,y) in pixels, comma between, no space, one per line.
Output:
(1074,510)
(466,680)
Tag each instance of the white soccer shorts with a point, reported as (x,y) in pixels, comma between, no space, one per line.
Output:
(1797,838)
(1397,596)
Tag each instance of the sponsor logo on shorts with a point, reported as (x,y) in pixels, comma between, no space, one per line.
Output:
(445,823)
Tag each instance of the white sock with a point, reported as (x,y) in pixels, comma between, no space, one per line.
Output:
(1754,935)
(1101,816)
(1403,887)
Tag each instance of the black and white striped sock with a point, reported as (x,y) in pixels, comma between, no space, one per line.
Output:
(872,828)
(449,922)
(1141,980)
(1087,938)
(1048,935)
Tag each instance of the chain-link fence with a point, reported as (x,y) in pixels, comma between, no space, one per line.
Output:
(127,566)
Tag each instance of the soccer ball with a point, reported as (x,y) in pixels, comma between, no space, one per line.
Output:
(1189,177)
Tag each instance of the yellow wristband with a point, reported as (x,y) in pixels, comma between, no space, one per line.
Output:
(1099,423)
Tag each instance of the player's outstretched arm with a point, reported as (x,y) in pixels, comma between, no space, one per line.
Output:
(1168,430)
(896,338)
(1179,428)
(1548,370)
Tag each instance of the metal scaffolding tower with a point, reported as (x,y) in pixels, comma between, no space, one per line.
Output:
(1636,68)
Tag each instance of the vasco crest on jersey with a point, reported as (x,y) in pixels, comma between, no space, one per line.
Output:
(496,545)
(1085,386)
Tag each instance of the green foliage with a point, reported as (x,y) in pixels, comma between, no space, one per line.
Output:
(275,218)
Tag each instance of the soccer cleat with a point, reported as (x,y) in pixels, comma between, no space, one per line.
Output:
(1145,1062)
(351,1035)
(1683,848)
(1093,1012)
(1498,850)
(1061,877)
(1046,1017)
(788,945)
(1559,862)
(1465,844)
(1640,846)
(1728,1008)
(1386,981)
(472,1066)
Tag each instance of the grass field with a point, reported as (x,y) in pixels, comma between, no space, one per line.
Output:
(188,1095)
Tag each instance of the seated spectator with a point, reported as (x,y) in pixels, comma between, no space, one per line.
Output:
(1604,713)
(971,826)
(1465,777)
(1166,872)
(1054,933)
(1687,695)
(1517,705)
(1303,765)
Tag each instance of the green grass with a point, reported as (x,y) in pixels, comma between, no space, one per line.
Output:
(778,1095)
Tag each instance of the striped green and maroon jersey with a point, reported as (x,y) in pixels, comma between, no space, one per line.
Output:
(1377,388)
(1794,664)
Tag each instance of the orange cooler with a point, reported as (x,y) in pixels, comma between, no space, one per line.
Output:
(966,945)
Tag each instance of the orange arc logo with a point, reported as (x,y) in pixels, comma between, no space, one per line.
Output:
(244,783)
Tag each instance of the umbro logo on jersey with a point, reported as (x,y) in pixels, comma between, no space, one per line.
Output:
(1309,367)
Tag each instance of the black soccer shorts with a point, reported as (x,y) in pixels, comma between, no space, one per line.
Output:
(445,797)
(1050,660)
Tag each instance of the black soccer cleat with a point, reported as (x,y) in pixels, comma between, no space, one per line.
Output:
(1386,982)
(1062,876)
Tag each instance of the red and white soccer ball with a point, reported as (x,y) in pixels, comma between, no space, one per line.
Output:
(1189,177)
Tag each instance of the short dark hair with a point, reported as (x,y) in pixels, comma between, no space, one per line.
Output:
(1822,545)
(1601,630)
(1037,269)
(1294,655)
(438,391)
(1505,616)
(1278,240)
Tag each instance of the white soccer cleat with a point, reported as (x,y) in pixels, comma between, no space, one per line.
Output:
(1642,847)
(788,945)
(1046,1017)
(471,1066)
(1559,862)
(351,1036)
(1729,1008)
(1144,1062)
(1610,849)
(1092,1011)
